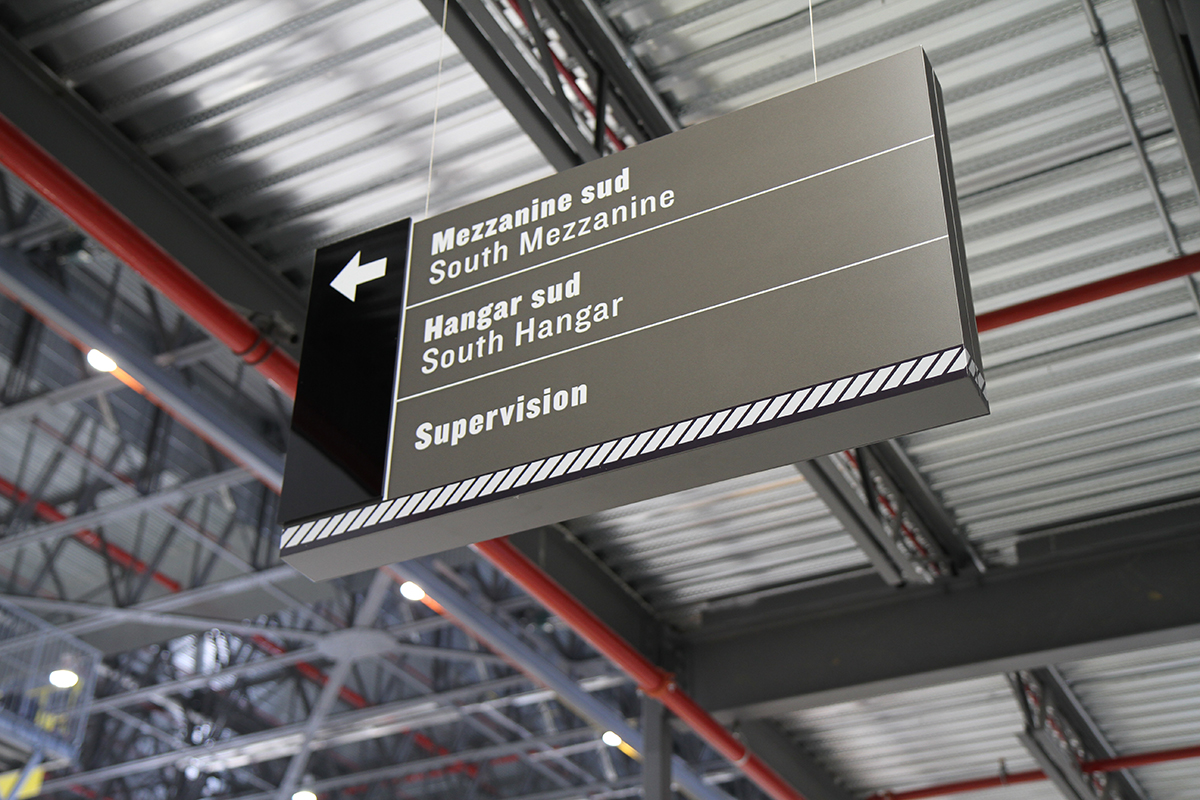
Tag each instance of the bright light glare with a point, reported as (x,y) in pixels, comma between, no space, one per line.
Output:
(100,362)
(611,739)
(303,794)
(411,591)
(63,678)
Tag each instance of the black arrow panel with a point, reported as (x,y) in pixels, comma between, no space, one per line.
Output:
(338,447)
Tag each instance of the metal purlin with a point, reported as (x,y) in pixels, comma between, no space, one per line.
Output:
(481,624)
(1100,39)
(98,219)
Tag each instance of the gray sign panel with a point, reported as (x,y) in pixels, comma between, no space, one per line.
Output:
(778,283)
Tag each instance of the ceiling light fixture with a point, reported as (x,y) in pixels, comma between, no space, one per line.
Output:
(611,739)
(63,678)
(412,592)
(100,362)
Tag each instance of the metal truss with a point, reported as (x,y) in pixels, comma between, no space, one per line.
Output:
(459,731)
(263,684)
(112,471)
(1061,735)
(566,76)
(874,492)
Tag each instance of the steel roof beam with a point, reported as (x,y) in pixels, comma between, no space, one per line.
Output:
(1100,39)
(859,522)
(96,385)
(392,772)
(181,621)
(53,531)
(212,423)
(159,690)
(36,101)
(514,81)
(794,763)
(937,519)
(1140,593)
(347,727)
(620,67)
(1094,740)
(284,741)
(1166,24)
(504,642)
(570,563)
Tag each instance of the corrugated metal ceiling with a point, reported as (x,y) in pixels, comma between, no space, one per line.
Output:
(1089,407)
(297,122)
(302,122)
(927,737)
(1144,701)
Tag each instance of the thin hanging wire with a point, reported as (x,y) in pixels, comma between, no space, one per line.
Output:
(437,90)
(812,35)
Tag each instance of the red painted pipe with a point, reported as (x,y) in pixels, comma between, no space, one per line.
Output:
(980,784)
(54,182)
(127,560)
(650,678)
(1140,760)
(1032,776)
(89,538)
(1118,284)
(124,240)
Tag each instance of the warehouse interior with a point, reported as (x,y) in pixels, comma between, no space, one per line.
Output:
(1001,609)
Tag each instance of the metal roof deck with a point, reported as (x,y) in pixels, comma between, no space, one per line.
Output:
(294,123)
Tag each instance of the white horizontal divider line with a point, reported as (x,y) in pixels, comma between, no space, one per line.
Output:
(675,318)
(662,225)
(652,443)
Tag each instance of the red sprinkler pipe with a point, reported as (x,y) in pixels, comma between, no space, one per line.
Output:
(95,216)
(54,182)
(996,781)
(980,784)
(1118,284)
(650,678)
(1140,760)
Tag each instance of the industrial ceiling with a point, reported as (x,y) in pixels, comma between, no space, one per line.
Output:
(1005,608)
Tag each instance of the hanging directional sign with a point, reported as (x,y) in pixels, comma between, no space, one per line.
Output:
(775,284)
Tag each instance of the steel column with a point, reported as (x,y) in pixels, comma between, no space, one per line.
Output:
(651,679)
(656,757)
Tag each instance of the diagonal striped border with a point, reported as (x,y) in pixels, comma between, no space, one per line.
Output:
(746,418)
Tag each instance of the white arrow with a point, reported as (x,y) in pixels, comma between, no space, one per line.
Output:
(354,274)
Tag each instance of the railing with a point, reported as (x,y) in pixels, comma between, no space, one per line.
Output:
(46,682)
